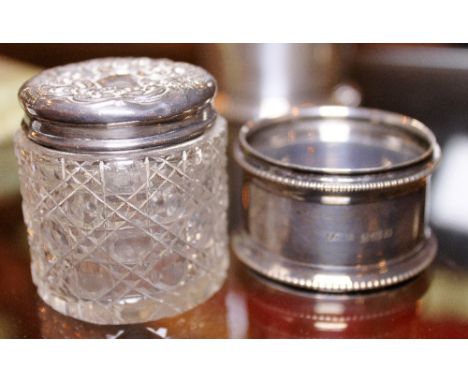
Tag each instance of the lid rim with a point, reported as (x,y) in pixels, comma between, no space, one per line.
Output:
(110,137)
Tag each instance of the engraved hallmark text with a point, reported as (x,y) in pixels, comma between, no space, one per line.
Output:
(365,237)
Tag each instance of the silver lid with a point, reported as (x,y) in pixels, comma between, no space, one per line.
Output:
(118,103)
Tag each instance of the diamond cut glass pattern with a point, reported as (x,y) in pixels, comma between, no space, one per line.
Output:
(131,237)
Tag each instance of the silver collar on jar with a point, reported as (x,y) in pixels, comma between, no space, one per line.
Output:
(334,198)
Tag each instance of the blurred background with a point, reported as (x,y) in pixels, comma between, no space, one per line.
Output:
(427,82)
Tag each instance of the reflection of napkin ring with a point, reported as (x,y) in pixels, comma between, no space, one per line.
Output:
(334,198)
(279,311)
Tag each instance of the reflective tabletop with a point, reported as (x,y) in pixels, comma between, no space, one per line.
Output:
(432,305)
(421,83)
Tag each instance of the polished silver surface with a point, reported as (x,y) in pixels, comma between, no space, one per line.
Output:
(118,103)
(334,198)
(267,80)
(338,148)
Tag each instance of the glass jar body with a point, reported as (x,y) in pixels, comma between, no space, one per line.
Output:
(126,237)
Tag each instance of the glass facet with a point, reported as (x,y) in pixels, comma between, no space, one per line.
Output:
(126,237)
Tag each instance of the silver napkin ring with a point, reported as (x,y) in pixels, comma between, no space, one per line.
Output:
(334,198)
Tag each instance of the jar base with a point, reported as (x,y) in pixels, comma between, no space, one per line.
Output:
(137,309)
(336,279)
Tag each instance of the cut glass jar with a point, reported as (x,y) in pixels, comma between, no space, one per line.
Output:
(122,169)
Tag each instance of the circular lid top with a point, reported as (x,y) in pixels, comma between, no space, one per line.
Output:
(115,90)
(118,104)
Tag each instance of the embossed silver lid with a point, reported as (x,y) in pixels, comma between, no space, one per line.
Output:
(117,104)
